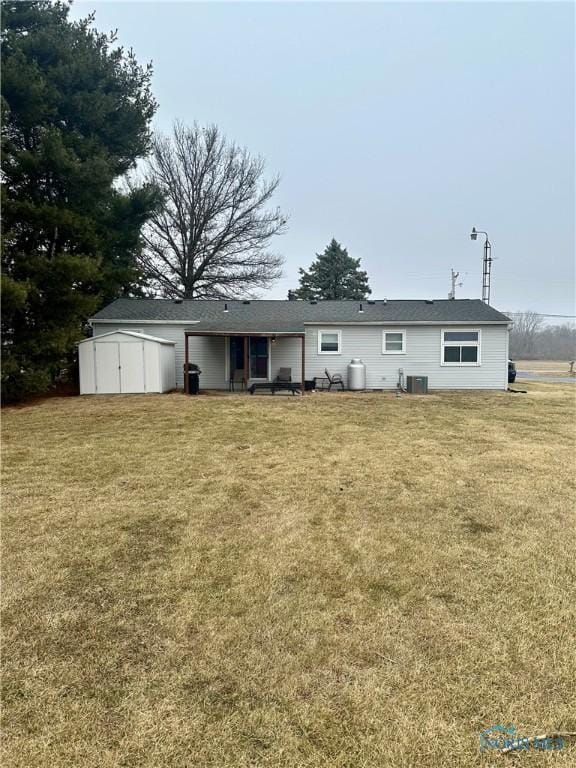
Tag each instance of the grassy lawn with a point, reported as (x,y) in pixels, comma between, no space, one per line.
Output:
(335,580)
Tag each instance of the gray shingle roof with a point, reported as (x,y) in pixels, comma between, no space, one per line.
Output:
(290,316)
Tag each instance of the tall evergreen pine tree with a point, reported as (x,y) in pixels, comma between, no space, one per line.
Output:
(76,113)
(334,275)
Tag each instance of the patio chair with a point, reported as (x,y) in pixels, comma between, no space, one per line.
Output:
(284,375)
(237,377)
(334,380)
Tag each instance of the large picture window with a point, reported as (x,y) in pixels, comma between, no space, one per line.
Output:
(461,347)
(393,342)
(329,342)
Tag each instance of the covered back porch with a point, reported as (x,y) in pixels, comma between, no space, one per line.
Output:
(239,360)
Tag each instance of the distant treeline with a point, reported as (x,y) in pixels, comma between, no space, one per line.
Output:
(530,339)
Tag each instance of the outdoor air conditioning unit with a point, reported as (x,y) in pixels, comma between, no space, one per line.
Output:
(417,385)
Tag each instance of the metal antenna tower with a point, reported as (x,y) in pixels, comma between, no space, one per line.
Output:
(486,263)
(454,276)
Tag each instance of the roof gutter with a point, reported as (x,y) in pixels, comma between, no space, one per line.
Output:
(386,323)
(322,323)
(277,334)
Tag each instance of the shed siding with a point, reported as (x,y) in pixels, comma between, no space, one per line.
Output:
(168,367)
(156,358)
(86,369)
(152,363)
(422,358)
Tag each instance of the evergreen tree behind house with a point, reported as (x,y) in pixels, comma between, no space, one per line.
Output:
(76,111)
(333,275)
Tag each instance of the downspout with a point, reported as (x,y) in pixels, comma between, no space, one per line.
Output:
(303,385)
(186,337)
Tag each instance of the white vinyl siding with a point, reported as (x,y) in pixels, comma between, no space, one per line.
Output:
(422,358)
(286,352)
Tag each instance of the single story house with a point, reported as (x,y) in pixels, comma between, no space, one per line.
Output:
(457,344)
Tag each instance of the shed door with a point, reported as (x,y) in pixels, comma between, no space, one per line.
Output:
(107,365)
(132,378)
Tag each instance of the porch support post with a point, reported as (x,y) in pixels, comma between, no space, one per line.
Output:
(246,359)
(303,363)
(186,339)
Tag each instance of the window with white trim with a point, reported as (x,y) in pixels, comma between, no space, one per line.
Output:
(329,342)
(460,347)
(394,342)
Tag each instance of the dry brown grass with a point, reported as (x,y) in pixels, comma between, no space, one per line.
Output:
(331,581)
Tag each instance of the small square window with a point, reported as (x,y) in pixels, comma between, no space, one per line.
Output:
(329,342)
(393,342)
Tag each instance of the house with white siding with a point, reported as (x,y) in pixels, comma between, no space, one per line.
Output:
(456,344)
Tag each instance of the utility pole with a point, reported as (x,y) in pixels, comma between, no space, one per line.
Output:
(454,276)
(486,264)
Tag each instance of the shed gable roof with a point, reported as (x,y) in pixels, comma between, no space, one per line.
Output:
(133,334)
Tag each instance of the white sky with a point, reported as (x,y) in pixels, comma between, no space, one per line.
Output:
(396,127)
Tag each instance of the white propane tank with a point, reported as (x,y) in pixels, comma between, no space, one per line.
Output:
(356,374)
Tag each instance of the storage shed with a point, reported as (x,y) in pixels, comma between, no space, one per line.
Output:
(126,362)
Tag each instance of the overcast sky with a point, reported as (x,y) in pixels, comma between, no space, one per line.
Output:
(396,127)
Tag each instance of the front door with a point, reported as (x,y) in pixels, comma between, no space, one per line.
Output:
(258,357)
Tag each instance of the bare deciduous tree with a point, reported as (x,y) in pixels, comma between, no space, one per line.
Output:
(531,339)
(210,237)
(524,332)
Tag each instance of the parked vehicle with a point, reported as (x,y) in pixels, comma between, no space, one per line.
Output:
(511,372)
